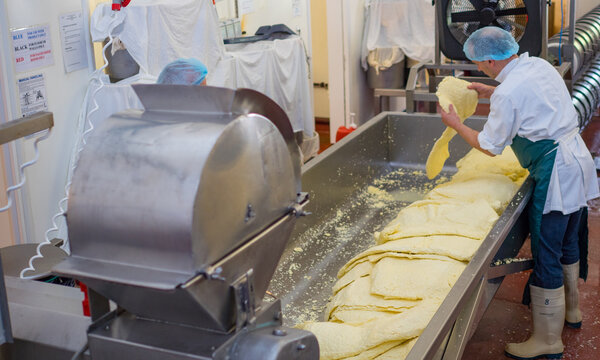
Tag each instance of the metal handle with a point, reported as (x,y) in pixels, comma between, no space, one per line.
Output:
(28,125)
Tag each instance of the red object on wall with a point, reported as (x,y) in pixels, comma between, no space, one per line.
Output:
(343,131)
(118,4)
(86,300)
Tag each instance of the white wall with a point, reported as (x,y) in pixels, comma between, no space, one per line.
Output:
(270,12)
(360,95)
(320,62)
(584,6)
(14,215)
(348,88)
(7,234)
(335,40)
(46,179)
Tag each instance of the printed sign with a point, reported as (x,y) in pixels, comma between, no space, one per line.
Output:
(32,94)
(245,7)
(296,10)
(32,48)
(73,41)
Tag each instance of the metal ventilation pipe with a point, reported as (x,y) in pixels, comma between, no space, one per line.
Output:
(585,65)
(586,40)
(586,92)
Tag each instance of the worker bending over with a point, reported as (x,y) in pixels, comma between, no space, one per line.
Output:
(532,111)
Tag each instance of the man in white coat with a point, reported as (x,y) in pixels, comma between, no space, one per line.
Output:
(532,111)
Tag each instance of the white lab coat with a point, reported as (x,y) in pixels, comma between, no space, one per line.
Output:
(533,102)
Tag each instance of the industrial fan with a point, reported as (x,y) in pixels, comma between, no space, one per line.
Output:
(458,19)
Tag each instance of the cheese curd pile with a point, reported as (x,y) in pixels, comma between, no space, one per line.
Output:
(385,296)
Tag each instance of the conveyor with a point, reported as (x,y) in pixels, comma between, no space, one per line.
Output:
(390,151)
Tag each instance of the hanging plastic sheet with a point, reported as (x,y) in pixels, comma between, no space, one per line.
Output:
(156,32)
(279,70)
(405,24)
(383,59)
(113,98)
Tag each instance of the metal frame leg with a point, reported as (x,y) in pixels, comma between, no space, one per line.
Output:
(5,327)
(99,305)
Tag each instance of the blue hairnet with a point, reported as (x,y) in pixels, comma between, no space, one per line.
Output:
(183,72)
(490,43)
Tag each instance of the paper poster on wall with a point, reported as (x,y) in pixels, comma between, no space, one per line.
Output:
(32,48)
(245,7)
(73,41)
(296,11)
(32,94)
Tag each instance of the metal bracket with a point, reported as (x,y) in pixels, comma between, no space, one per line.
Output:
(411,85)
(460,334)
(509,268)
(298,210)
(28,125)
(250,214)
(243,289)
(5,326)
(302,197)
(99,305)
(298,207)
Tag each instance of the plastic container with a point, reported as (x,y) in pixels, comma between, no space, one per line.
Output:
(343,131)
(391,78)
(120,65)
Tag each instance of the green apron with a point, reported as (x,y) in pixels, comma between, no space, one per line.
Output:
(538,157)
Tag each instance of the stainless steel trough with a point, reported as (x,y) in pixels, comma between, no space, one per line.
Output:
(389,151)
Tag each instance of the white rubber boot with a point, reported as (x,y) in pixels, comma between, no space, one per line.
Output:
(548,314)
(573,314)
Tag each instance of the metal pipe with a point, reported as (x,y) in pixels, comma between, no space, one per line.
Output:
(5,327)
(570,50)
(544,11)
(438,7)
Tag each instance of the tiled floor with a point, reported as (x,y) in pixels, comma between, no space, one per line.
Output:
(507,320)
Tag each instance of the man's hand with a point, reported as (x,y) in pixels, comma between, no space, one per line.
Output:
(450,118)
(483,91)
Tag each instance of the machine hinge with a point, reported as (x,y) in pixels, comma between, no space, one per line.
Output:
(245,305)
(298,207)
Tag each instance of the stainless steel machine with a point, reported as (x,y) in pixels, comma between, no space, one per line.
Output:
(179,215)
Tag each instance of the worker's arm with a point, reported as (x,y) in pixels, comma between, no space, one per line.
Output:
(483,91)
(452,120)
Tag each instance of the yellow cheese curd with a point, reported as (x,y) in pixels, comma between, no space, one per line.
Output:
(386,295)
(451,91)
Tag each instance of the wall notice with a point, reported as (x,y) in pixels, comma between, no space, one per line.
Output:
(32,48)
(32,94)
(296,10)
(245,7)
(73,41)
